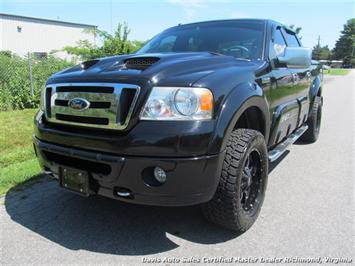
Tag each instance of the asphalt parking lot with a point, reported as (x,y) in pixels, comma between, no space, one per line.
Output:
(308,211)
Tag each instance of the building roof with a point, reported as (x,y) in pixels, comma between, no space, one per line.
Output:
(43,20)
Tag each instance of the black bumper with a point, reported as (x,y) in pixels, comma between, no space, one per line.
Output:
(190,180)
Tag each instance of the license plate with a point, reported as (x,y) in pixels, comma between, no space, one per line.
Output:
(74,180)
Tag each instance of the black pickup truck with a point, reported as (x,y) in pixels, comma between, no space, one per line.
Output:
(194,117)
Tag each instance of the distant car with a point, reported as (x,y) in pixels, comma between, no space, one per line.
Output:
(326,67)
(194,117)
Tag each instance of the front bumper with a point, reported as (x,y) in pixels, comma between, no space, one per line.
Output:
(144,139)
(190,181)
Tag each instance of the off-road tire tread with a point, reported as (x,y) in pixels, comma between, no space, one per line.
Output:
(221,209)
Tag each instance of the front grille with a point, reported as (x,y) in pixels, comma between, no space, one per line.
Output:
(82,119)
(106,105)
(93,104)
(76,88)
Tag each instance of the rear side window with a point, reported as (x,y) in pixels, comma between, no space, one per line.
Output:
(291,39)
(279,43)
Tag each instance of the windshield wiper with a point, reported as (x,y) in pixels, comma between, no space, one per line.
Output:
(241,58)
(214,53)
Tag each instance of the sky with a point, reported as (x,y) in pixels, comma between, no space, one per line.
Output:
(148,18)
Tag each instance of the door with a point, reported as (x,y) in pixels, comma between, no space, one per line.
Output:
(301,79)
(284,106)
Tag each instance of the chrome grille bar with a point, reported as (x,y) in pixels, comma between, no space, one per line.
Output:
(105,112)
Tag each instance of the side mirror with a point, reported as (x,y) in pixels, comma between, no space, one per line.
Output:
(296,57)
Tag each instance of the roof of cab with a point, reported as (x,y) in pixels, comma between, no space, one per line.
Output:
(252,20)
(226,20)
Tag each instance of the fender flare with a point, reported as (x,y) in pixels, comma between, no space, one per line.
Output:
(313,91)
(237,101)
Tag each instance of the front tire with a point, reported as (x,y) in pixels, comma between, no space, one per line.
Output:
(240,194)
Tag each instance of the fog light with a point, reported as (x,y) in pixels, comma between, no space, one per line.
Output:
(159,174)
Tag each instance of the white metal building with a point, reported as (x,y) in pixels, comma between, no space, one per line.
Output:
(21,35)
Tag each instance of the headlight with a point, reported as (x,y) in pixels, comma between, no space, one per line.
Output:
(186,102)
(170,103)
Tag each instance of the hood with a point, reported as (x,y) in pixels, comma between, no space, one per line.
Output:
(163,69)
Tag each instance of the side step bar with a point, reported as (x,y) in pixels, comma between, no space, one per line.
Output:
(275,153)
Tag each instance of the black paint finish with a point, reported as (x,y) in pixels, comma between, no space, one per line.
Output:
(281,96)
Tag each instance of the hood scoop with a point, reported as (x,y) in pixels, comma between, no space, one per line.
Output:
(87,64)
(140,63)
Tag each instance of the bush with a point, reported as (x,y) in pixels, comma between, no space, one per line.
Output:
(15,83)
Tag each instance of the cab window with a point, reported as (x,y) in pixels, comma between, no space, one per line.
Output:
(291,39)
(279,44)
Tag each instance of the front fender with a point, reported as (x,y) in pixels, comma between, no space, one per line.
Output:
(240,98)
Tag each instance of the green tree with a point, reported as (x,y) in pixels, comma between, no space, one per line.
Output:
(344,47)
(321,52)
(297,30)
(112,44)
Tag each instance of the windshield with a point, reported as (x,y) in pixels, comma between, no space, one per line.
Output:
(238,39)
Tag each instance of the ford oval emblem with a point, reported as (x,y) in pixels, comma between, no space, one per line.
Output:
(79,104)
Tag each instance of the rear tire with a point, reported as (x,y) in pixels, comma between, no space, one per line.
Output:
(241,190)
(314,122)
